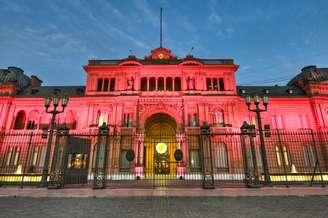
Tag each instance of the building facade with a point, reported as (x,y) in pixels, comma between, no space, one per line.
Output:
(157,105)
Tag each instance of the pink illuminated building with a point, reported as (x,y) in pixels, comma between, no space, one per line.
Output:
(161,94)
(124,93)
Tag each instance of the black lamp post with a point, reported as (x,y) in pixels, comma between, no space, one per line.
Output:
(258,111)
(54,112)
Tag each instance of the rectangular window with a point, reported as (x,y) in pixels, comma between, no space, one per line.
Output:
(127,120)
(35,156)
(195,120)
(221,156)
(221,83)
(38,156)
(99,85)
(8,156)
(177,84)
(12,156)
(143,84)
(215,84)
(105,88)
(42,156)
(160,84)
(112,85)
(208,84)
(194,158)
(17,153)
(103,118)
(282,156)
(169,84)
(152,84)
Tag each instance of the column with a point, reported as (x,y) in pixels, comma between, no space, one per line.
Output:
(164,83)
(156,84)
(139,169)
(147,83)
(181,167)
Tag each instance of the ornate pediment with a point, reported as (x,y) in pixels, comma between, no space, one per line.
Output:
(160,54)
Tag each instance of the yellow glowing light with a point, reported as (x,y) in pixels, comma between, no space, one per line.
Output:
(160,55)
(161,148)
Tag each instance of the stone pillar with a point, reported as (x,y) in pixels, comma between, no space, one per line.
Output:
(56,179)
(101,150)
(206,148)
(139,169)
(147,83)
(181,167)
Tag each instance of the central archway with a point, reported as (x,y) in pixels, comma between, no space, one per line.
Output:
(160,144)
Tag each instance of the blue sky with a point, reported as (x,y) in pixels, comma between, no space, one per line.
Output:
(271,40)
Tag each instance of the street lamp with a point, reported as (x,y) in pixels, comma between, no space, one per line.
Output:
(54,112)
(258,112)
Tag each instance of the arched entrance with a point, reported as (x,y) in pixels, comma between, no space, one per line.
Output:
(160,144)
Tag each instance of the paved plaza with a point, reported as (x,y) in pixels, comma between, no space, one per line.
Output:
(225,202)
(164,206)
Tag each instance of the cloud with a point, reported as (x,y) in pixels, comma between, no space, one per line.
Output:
(215,18)
(225,33)
(128,37)
(245,67)
(14,7)
(103,27)
(187,25)
(146,13)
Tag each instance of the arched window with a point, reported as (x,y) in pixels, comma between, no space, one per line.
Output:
(221,84)
(20,120)
(169,84)
(99,85)
(112,85)
(218,118)
(33,118)
(105,88)
(160,84)
(282,154)
(152,84)
(309,155)
(177,84)
(221,156)
(143,84)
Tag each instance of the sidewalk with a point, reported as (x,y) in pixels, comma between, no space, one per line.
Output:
(232,192)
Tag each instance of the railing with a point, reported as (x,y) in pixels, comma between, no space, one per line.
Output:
(230,158)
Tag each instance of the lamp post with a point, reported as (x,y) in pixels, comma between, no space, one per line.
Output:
(54,112)
(258,111)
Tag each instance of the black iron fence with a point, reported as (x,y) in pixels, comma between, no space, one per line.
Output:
(197,158)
